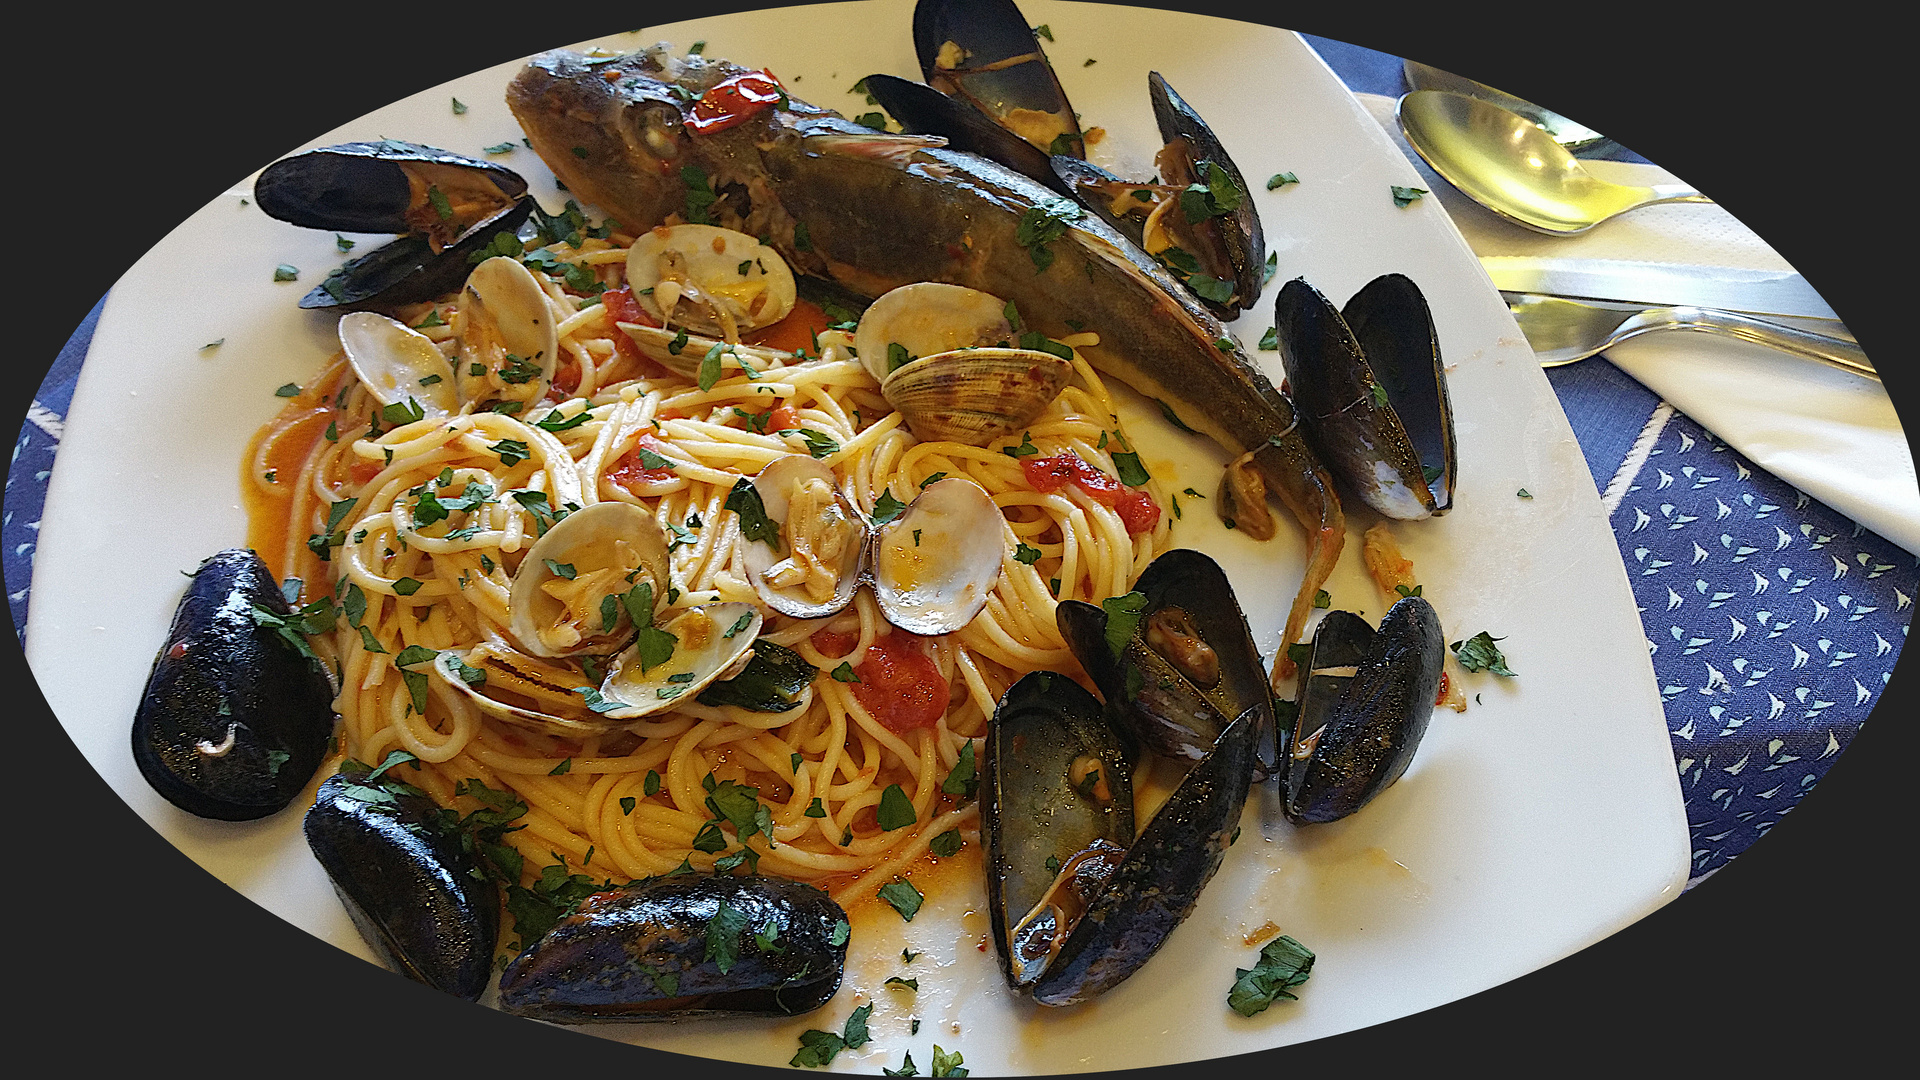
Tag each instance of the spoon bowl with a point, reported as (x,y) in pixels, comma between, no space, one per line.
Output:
(1514,167)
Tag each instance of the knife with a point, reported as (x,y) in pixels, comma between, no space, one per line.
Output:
(1753,292)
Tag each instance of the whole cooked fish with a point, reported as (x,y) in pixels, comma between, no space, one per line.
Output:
(873,211)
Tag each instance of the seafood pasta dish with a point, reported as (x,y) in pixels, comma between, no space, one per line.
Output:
(427,528)
(649,582)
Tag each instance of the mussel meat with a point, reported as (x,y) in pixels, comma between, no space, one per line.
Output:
(414,892)
(447,207)
(683,945)
(1371,391)
(1077,905)
(237,712)
(984,52)
(1364,702)
(1175,659)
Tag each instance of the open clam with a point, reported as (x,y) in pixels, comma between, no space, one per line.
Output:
(953,363)
(508,348)
(1372,392)
(576,589)
(709,280)
(809,549)
(691,650)
(447,206)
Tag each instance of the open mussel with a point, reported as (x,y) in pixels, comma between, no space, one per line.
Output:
(1365,699)
(1209,233)
(1371,391)
(415,893)
(237,712)
(922,110)
(1174,659)
(1077,903)
(448,209)
(983,52)
(683,945)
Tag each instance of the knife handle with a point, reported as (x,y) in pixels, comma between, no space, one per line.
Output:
(1834,352)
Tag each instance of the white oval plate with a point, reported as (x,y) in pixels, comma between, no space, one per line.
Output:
(1541,820)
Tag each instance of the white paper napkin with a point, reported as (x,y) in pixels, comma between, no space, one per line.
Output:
(1829,433)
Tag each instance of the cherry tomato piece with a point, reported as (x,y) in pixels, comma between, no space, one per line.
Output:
(630,472)
(1137,511)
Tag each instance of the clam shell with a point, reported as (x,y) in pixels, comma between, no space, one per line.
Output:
(935,565)
(591,542)
(713,642)
(777,483)
(506,310)
(975,396)
(746,280)
(397,363)
(493,661)
(925,318)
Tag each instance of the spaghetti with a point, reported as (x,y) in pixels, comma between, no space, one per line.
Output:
(338,492)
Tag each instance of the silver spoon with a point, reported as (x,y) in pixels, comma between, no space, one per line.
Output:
(1562,331)
(1581,141)
(1513,166)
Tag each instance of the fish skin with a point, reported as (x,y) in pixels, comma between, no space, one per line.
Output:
(611,131)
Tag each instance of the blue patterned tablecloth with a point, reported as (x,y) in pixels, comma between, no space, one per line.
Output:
(1773,621)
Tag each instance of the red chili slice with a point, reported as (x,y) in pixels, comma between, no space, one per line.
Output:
(1136,508)
(734,100)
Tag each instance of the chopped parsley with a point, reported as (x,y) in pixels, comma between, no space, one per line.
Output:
(1025,554)
(886,507)
(903,896)
(1281,179)
(744,500)
(947,843)
(1283,964)
(1479,653)
(964,778)
(895,810)
(1405,196)
(1042,225)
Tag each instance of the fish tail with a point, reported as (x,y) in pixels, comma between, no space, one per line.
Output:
(1304,487)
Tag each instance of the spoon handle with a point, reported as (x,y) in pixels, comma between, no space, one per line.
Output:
(1674,193)
(1834,352)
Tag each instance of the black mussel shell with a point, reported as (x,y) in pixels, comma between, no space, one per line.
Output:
(922,110)
(1025,96)
(407,271)
(416,895)
(1189,664)
(1394,327)
(1375,410)
(1233,248)
(1037,811)
(652,951)
(365,187)
(235,719)
(1355,734)
(1158,882)
(1094,188)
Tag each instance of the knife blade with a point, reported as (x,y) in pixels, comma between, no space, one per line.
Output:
(1752,292)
